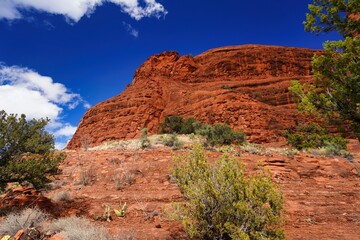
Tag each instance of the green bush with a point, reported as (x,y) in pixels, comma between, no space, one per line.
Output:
(222,203)
(172,124)
(26,151)
(189,126)
(145,141)
(31,168)
(18,136)
(220,134)
(311,135)
(179,125)
(172,141)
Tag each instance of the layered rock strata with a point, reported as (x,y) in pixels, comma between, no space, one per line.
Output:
(244,86)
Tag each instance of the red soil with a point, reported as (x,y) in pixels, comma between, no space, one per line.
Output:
(322,196)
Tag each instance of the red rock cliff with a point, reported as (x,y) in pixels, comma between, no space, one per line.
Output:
(245,86)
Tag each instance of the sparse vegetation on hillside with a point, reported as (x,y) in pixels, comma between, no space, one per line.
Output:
(26,151)
(222,203)
(145,142)
(219,134)
(313,136)
(179,125)
(173,141)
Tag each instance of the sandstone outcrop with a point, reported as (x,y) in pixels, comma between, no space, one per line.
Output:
(26,197)
(244,86)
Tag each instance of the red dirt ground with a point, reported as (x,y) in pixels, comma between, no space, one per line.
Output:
(322,196)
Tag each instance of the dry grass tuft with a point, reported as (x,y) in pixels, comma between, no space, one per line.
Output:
(74,228)
(30,217)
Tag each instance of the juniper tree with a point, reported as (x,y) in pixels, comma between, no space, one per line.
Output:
(336,91)
(26,151)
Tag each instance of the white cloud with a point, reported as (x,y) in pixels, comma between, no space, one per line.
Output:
(17,99)
(26,79)
(65,131)
(76,9)
(132,31)
(23,90)
(8,10)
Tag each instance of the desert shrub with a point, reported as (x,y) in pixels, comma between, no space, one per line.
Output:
(172,141)
(205,130)
(168,140)
(330,151)
(189,126)
(222,203)
(118,184)
(179,125)
(172,124)
(220,134)
(26,151)
(253,148)
(13,222)
(217,134)
(130,177)
(256,149)
(86,176)
(225,135)
(311,135)
(226,149)
(290,152)
(31,168)
(74,228)
(145,141)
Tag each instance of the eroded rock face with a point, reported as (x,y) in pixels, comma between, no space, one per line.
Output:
(244,86)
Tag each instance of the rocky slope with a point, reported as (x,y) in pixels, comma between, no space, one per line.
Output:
(321,194)
(244,86)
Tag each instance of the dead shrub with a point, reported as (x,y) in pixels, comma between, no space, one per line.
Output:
(30,217)
(74,228)
(86,176)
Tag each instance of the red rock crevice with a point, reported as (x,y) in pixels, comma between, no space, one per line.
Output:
(245,86)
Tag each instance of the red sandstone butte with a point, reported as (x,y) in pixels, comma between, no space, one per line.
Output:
(244,86)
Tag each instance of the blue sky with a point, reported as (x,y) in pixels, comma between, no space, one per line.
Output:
(59,57)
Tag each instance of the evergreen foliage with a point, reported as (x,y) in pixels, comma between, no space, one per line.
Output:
(222,203)
(18,136)
(333,15)
(177,124)
(189,126)
(172,124)
(26,151)
(172,141)
(218,134)
(311,136)
(336,92)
